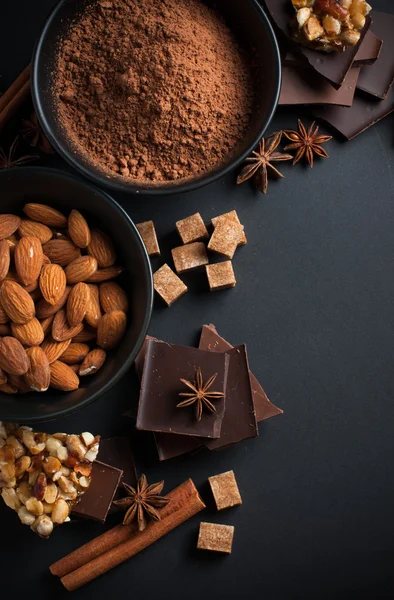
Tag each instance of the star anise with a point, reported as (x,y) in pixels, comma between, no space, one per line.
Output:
(7,161)
(32,132)
(307,143)
(261,162)
(142,502)
(200,395)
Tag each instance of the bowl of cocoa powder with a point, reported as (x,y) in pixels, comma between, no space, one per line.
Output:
(156,96)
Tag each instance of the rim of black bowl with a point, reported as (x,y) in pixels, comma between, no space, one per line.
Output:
(127,364)
(134,188)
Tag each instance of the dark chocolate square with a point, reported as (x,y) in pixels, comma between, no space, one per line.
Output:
(97,500)
(117,452)
(378,78)
(303,86)
(165,365)
(170,446)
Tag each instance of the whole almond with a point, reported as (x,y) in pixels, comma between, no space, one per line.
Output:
(62,377)
(52,283)
(102,248)
(77,304)
(46,260)
(45,214)
(28,259)
(5,258)
(5,329)
(61,252)
(75,353)
(46,324)
(78,229)
(45,310)
(3,377)
(81,269)
(92,362)
(16,302)
(105,274)
(6,388)
(93,311)
(61,330)
(111,329)
(42,232)
(38,375)
(112,297)
(87,335)
(18,381)
(29,334)
(13,357)
(8,225)
(54,349)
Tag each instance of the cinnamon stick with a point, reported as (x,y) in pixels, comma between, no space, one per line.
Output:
(14,88)
(16,95)
(123,541)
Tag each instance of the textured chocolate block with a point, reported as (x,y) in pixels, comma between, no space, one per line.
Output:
(189,257)
(226,237)
(225,490)
(192,229)
(233,216)
(148,234)
(220,276)
(218,538)
(168,285)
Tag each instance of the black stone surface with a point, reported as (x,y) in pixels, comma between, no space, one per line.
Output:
(314,303)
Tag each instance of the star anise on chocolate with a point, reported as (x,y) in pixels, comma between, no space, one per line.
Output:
(307,142)
(141,503)
(9,160)
(200,394)
(260,163)
(32,132)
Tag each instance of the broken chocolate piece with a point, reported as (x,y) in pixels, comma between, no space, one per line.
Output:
(225,490)
(140,359)
(233,216)
(189,257)
(215,537)
(303,86)
(226,237)
(377,79)
(168,285)
(97,500)
(192,229)
(165,365)
(148,233)
(369,49)
(211,340)
(117,453)
(220,276)
(170,446)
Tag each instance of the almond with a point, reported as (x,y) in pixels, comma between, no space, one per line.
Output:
(75,353)
(36,295)
(111,329)
(87,335)
(112,297)
(12,242)
(78,229)
(46,260)
(5,329)
(61,251)
(77,304)
(16,302)
(38,375)
(45,310)
(62,377)
(46,324)
(29,334)
(3,315)
(38,230)
(28,259)
(45,214)
(61,330)
(102,249)
(8,225)
(13,357)
(92,362)
(75,368)
(5,257)
(31,287)
(52,283)
(105,274)
(6,388)
(3,377)
(18,382)
(93,311)
(54,349)
(81,269)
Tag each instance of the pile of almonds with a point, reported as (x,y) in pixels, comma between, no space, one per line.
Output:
(43,476)
(60,311)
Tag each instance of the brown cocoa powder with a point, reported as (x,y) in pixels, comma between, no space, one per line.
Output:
(153,90)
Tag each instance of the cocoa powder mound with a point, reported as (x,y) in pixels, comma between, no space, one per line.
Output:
(153,90)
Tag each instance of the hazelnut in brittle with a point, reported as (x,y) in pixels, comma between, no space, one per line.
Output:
(329,25)
(43,476)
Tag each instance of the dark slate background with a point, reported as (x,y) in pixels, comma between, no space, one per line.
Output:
(314,303)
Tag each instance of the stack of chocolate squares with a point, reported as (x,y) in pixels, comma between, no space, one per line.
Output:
(193,398)
(350,90)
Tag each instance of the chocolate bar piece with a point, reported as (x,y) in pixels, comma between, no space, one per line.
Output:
(140,359)
(211,340)
(213,536)
(378,79)
(304,86)
(192,229)
(117,453)
(170,446)
(189,257)
(225,490)
(165,365)
(96,502)
(168,285)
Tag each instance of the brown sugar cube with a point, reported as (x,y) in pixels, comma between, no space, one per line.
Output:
(148,234)
(225,490)
(168,285)
(192,229)
(218,538)
(232,215)
(190,256)
(220,276)
(226,237)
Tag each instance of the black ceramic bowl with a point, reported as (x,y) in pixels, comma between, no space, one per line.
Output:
(65,192)
(250,24)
